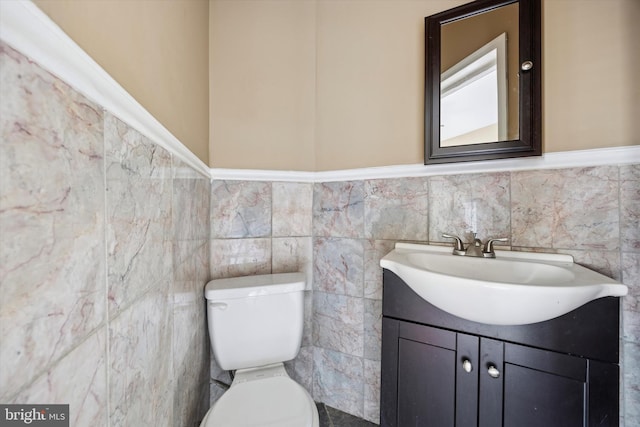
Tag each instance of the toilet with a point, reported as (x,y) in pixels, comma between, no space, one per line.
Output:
(255,325)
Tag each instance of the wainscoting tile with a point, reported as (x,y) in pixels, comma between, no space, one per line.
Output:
(57,149)
(372,390)
(240,257)
(397,209)
(139,221)
(604,262)
(84,368)
(307,331)
(52,260)
(372,329)
(630,207)
(338,209)
(374,250)
(291,254)
(140,376)
(130,155)
(566,208)
(338,266)
(138,238)
(190,363)
(461,204)
(190,260)
(338,381)
(191,209)
(292,209)
(631,376)
(338,323)
(630,304)
(300,369)
(240,209)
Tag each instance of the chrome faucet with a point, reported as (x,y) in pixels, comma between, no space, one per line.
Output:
(475,248)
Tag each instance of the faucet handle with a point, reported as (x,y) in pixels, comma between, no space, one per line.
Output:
(488,252)
(458,248)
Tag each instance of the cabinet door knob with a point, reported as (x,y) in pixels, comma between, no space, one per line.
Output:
(466,365)
(493,371)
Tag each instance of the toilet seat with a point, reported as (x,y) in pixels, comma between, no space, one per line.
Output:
(263,399)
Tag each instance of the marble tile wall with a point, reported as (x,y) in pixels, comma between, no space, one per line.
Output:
(104,251)
(355,224)
(261,228)
(591,213)
(630,272)
(52,256)
(191,194)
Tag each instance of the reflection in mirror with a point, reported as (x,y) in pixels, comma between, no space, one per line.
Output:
(464,38)
(473,97)
(483,82)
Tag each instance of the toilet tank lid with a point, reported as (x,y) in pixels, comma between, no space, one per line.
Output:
(250,286)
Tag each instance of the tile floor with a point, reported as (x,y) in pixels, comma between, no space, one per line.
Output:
(330,417)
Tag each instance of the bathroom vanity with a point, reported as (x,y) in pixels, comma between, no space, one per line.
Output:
(441,370)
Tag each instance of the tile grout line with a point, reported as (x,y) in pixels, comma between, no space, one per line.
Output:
(621,342)
(106,271)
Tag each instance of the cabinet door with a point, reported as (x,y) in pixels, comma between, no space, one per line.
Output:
(543,388)
(467,370)
(440,378)
(491,383)
(426,376)
(419,375)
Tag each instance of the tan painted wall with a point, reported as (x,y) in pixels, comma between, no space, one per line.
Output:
(367,109)
(317,85)
(321,85)
(263,65)
(591,85)
(371,82)
(157,50)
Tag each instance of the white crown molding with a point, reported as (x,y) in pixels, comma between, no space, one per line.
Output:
(559,160)
(27,29)
(262,175)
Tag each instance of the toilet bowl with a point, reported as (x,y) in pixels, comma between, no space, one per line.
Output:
(255,325)
(263,397)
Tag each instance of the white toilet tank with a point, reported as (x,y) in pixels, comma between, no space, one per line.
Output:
(255,320)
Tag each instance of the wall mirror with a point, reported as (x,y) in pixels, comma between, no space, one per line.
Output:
(483,91)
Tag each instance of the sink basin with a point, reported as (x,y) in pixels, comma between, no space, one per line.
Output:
(515,288)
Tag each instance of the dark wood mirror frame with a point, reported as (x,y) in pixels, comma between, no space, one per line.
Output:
(530,87)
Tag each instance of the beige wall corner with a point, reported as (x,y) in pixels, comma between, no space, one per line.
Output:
(157,50)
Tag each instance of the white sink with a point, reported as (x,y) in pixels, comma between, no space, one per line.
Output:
(515,288)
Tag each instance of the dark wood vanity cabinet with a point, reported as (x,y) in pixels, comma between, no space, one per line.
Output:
(440,370)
